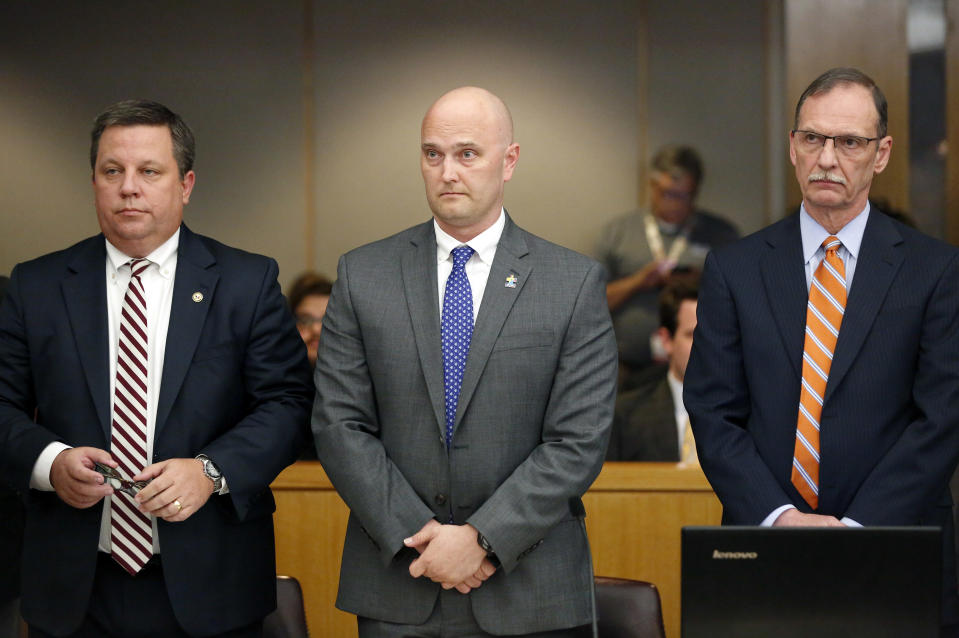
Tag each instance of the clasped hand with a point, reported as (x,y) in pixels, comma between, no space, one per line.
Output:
(450,555)
(177,489)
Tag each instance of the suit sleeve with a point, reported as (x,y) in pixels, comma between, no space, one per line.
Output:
(346,431)
(575,433)
(716,395)
(913,472)
(276,386)
(21,440)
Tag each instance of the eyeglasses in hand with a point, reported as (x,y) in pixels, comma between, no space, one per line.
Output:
(119,483)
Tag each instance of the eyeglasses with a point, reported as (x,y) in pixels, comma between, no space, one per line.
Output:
(847,145)
(666,187)
(676,194)
(119,483)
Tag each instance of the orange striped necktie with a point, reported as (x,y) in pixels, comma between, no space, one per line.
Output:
(824,312)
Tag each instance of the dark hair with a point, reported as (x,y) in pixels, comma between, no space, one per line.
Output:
(842,76)
(674,158)
(308,283)
(680,287)
(140,112)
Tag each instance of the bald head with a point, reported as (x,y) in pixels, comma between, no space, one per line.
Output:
(477,104)
(467,155)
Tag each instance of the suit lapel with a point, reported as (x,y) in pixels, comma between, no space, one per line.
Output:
(85,295)
(507,277)
(878,262)
(188,311)
(785,283)
(419,280)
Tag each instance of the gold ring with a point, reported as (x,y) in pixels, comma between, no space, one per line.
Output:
(178,506)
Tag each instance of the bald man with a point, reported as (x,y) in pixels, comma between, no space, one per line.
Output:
(465,389)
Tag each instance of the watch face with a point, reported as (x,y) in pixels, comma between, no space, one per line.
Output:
(211,470)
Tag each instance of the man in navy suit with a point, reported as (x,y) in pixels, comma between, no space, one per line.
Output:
(220,402)
(880,442)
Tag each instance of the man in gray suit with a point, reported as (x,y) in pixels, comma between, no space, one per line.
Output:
(463,409)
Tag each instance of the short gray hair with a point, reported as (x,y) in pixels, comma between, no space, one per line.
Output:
(841,76)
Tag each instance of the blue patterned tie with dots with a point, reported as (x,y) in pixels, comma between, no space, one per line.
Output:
(457,327)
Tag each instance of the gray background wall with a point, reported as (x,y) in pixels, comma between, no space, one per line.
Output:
(570,71)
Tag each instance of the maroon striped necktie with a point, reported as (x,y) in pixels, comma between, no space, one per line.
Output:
(131,531)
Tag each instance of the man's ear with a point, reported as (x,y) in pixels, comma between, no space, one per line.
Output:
(509,161)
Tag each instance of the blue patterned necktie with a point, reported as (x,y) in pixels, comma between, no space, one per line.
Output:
(457,329)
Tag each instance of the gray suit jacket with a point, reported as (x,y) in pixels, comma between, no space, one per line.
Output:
(532,425)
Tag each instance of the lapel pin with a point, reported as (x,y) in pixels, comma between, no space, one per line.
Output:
(511,281)
(197,297)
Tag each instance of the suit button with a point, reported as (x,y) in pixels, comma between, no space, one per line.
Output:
(440,499)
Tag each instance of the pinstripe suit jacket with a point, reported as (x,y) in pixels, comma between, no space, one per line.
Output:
(890,421)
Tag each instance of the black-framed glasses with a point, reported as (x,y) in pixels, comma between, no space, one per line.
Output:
(848,145)
(119,483)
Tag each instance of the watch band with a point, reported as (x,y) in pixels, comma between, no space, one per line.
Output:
(211,471)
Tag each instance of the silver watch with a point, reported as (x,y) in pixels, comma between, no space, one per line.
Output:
(212,471)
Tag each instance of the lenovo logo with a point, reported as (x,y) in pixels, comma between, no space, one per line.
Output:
(718,555)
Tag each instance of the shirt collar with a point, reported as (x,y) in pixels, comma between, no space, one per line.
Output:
(484,244)
(160,256)
(813,234)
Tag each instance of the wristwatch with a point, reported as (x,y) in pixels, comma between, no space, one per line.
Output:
(212,471)
(490,554)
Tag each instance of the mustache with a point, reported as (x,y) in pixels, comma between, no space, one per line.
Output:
(825,176)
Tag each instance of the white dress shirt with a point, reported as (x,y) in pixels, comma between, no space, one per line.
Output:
(679,408)
(479,264)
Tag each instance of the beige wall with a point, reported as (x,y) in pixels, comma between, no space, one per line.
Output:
(235,71)
(566,70)
(706,89)
(230,68)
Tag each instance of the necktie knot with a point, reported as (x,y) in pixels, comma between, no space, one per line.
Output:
(831,244)
(461,255)
(138,266)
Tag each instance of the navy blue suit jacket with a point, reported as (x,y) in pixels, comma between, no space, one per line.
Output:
(235,386)
(890,421)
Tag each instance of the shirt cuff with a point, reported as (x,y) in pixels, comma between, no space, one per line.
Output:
(845,520)
(40,477)
(769,520)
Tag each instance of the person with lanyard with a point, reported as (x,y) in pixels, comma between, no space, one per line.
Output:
(642,248)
